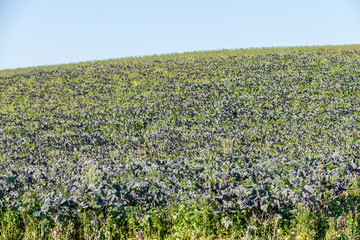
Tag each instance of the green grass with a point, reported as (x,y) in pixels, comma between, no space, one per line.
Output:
(246,52)
(193,221)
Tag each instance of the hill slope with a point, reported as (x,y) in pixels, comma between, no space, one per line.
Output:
(154,146)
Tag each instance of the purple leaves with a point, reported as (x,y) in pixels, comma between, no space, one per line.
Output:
(242,132)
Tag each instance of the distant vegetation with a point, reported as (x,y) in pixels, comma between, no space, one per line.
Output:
(229,144)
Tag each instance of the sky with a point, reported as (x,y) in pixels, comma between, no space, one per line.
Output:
(47,32)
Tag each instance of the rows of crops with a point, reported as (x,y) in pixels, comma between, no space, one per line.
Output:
(266,133)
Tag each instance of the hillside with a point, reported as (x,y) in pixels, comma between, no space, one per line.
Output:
(221,144)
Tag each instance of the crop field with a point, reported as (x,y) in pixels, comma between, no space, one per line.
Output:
(264,145)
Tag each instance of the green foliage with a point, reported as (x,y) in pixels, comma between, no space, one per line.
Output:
(231,144)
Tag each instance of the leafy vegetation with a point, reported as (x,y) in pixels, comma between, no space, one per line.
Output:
(203,145)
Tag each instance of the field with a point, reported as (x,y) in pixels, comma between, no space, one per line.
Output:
(231,144)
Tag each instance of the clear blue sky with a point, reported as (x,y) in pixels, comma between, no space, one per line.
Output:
(45,32)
